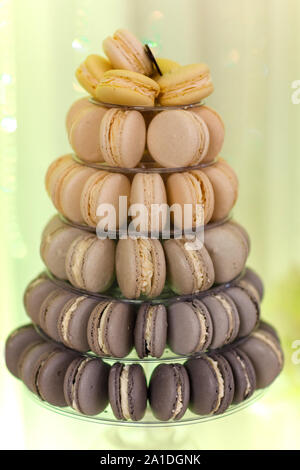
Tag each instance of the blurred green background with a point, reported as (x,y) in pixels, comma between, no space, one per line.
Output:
(253,50)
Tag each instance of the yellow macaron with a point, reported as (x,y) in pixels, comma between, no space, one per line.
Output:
(90,72)
(185,85)
(165,66)
(128,88)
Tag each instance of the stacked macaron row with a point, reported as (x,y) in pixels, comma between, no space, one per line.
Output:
(142,267)
(206,384)
(128,138)
(78,190)
(110,327)
(124,77)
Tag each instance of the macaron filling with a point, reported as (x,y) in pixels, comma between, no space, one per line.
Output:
(147,268)
(124,401)
(80,250)
(149,329)
(113,136)
(199,197)
(221,388)
(226,305)
(179,395)
(203,138)
(248,388)
(193,255)
(203,329)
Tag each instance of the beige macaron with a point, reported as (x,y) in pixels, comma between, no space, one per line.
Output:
(177,138)
(122,137)
(216,130)
(83,132)
(148,189)
(195,189)
(101,189)
(225,186)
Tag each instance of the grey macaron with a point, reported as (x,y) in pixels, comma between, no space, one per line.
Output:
(127,391)
(243,374)
(150,332)
(169,391)
(16,343)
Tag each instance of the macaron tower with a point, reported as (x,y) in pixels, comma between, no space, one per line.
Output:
(146,311)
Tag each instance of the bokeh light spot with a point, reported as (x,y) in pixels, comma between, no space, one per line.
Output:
(9,124)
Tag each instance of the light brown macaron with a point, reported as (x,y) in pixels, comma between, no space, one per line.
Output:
(75,108)
(83,134)
(90,263)
(177,138)
(140,267)
(56,239)
(148,189)
(188,271)
(228,245)
(216,131)
(225,187)
(191,188)
(100,189)
(122,137)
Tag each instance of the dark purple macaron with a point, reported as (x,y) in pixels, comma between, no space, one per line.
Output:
(248,305)
(243,374)
(169,391)
(127,391)
(255,280)
(34,295)
(86,385)
(225,318)
(16,343)
(266,355)
(190,327)
(29,362)
(50,372)
(110,328)
(150,332)
(73,321)
(211,384)
(50,311)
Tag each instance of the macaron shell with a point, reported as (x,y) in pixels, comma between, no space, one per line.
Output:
(84,134)
(184,328)
(16,343)
(34,295)
(191,188)
(225,190)
(90,385)
(163,394)
(174,139)
(243,374)
(255,280)
(228,381)
(158,330)
(228,251)
(216,130)
(73,321)
(59,165)
(267,364)
(248,309)
(122,137)
(90,72)
(50,377)
(222,321)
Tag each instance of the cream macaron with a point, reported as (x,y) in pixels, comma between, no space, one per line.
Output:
(125,87)
(122,137)
(177,138)
(148,189)
(90,72)
(185,85)
(102,189)
(125,51)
